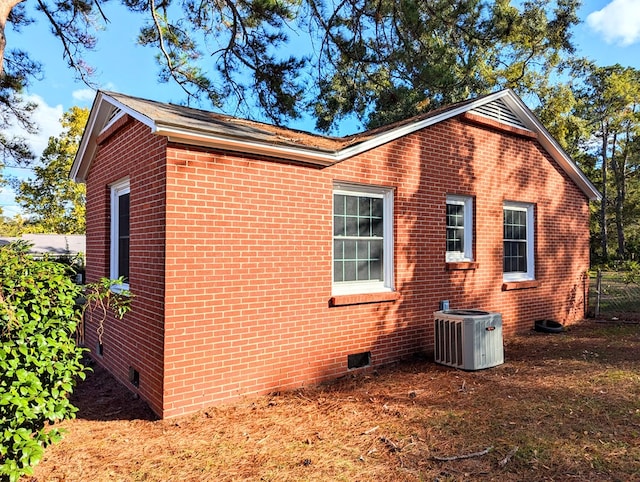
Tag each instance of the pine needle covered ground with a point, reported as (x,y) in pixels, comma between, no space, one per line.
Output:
(562,407)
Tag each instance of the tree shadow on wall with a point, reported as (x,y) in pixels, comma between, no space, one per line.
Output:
(491,175)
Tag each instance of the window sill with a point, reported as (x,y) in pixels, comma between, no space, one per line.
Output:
(360,299)
(460,265)
(519,285)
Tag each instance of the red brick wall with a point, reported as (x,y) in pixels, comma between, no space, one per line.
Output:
(249,259)
(137,340)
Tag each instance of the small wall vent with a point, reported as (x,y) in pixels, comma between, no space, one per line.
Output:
(134,377)
(359,360)
(499,111)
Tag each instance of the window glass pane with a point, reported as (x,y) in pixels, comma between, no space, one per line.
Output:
(515,241)
(455,227)
(363,260)
(521,257)
(515,256)
(455,239)
(351,226)
(365,206)
(455,215)
(377,207)
(363,271)
(123,235)
(376,269)
(123,215)
(338,226)
(338,204)
(377,228)
(350,268)
(358,238)
(123,257)
(364,227)
(349,247)
(337,271)
(375,249)
(351,206)
(338,249)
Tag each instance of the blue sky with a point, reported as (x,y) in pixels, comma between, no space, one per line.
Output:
(609,34)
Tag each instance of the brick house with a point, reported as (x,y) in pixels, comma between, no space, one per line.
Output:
(263,258)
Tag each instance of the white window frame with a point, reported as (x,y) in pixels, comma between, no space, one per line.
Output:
(529,274)
(118,188)
(364,287)
(467,254)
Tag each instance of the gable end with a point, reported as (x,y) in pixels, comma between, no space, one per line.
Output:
(499,111)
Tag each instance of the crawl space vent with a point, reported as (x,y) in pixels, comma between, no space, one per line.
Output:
(359,360)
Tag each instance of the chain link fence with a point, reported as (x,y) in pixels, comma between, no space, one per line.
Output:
(614,295)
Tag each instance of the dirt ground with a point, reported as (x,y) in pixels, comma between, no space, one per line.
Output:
(563,407)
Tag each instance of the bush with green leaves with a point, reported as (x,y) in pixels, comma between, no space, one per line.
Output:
(39,359)
(631,270)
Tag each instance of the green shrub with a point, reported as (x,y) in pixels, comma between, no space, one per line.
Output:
(631,270)
(39,359)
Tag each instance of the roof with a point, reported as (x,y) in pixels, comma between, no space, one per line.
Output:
(191,126)
(53,244)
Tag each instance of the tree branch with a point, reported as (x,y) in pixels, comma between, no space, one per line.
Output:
(5,9)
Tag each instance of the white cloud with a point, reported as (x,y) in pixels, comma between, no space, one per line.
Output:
(47,119)
(618,22)
(83,95)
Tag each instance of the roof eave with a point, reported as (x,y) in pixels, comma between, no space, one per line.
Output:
(88,144)
(311,155)
(316,157)
(552,147)
(99,113)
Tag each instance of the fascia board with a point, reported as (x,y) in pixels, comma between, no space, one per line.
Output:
(125,109)
(311,156)
(99,113)
(399,132)
(88,145)
(551,145)
(308,156)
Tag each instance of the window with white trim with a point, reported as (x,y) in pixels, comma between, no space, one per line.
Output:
(119,250)
(518,240)
(362,239)
(459,229)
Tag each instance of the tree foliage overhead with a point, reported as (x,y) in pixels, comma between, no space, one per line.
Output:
(17,69)
(376,60)
(373,61)
(385,60)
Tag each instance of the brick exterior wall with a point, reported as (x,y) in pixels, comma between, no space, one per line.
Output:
(129,150)
(231,258)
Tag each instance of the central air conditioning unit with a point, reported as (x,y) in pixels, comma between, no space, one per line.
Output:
(468,339)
